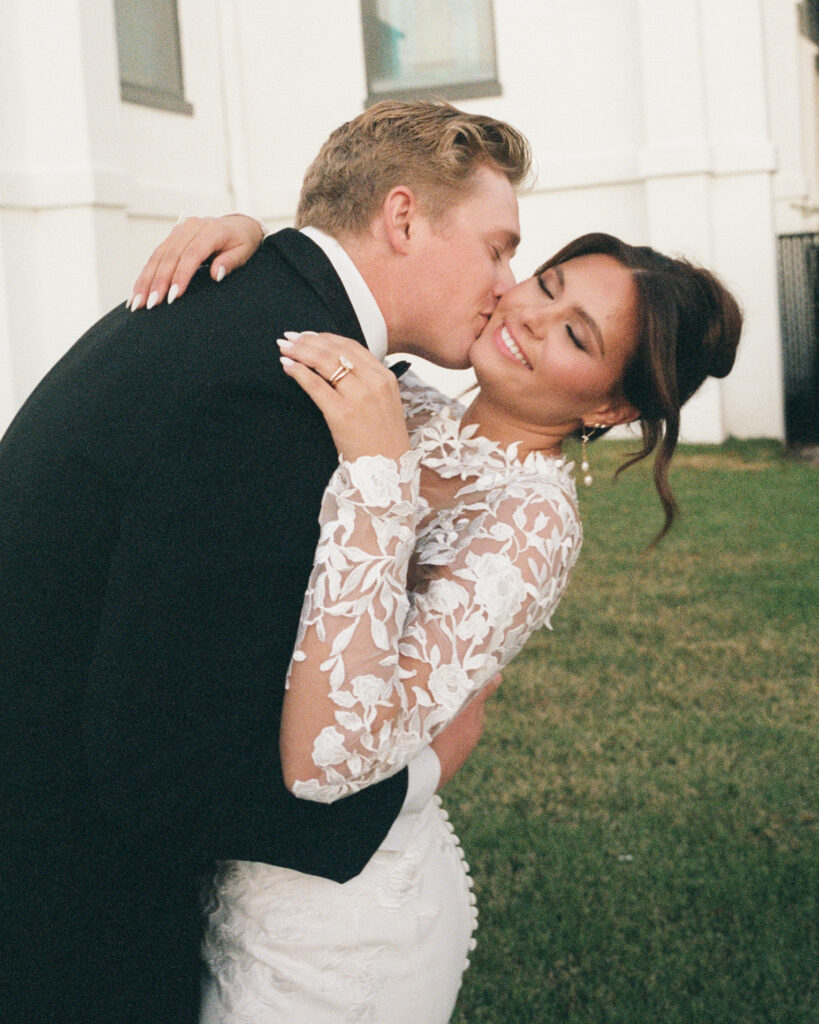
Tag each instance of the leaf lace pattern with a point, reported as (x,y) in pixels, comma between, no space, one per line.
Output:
(411,606)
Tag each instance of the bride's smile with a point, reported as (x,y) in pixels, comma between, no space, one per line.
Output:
(507,346)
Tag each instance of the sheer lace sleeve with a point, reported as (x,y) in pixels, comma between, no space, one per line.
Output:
(378,670)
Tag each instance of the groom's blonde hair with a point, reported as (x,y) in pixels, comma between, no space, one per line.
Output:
(431,147)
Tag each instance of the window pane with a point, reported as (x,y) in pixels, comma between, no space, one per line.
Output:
(150,60)
(427,45)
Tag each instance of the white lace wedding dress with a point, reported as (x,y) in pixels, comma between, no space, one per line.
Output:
(429,576)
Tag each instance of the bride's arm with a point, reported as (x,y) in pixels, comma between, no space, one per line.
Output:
(231,240)
(379,670)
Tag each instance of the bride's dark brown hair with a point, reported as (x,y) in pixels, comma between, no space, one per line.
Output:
(688,329)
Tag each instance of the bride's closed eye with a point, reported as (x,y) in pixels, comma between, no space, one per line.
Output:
(578,342)
(543,286)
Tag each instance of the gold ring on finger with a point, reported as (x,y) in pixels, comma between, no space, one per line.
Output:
(345,366)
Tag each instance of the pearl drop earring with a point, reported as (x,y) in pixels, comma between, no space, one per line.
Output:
(585,437)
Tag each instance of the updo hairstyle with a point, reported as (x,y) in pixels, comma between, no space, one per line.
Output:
(688,329)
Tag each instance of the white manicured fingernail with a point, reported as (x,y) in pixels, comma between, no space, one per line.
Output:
(283,343)
(129,300)
(174,291)
(152,299)
(286,361)
(136,302)
(220,274)
(292,335)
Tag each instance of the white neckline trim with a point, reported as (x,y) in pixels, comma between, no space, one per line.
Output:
(363,302)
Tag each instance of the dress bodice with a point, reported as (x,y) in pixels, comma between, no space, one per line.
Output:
(430,574)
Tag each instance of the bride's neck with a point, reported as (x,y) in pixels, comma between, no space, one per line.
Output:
(504,428)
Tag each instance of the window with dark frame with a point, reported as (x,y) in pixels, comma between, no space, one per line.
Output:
(150,55)
(809,19)
(422,48)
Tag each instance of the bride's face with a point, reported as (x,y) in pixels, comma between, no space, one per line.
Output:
(556,348)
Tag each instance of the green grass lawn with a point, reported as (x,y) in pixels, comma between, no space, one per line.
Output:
(641,815)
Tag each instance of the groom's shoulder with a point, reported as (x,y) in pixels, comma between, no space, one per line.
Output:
(216,335)
(288,268)
(287,242)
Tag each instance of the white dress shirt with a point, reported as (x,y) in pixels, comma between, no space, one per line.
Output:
(363,302)
(425,768)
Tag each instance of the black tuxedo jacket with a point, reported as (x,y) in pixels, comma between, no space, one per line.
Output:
(159,494)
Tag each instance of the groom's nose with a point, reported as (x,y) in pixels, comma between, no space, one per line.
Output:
(505,279)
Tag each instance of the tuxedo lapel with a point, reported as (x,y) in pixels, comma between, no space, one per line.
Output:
(311,263)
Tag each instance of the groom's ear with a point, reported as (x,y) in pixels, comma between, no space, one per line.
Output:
(399,212)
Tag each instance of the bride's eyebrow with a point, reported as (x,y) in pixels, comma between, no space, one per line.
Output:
(581,313)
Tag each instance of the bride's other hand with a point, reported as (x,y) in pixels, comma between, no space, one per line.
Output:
(232,240)
(454,744)
(362,406)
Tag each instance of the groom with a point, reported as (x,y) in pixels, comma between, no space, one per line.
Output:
(159,494)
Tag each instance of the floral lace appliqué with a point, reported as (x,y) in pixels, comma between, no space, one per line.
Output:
(399,660)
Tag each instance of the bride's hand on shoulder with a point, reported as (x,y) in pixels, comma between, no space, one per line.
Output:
(357,395)
(231,240)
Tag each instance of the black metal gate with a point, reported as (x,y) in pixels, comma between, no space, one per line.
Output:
(799,306)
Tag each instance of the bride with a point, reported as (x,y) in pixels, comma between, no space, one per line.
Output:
(447,537)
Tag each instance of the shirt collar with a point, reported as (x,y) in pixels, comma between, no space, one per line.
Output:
(363,302)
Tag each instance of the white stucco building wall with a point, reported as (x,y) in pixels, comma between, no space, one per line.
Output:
(689,125)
